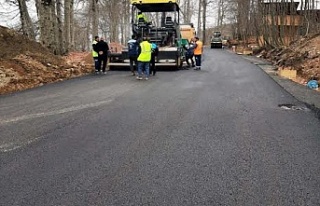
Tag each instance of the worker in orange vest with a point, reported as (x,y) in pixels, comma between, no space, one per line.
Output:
(198,50)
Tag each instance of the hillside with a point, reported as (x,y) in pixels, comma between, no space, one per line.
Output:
(302,55)
(26,64)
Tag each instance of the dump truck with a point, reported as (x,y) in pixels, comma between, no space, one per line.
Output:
(216,40)
(187,31)
(165,33)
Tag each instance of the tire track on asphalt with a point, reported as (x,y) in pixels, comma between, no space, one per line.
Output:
(103,96)
(56,112)
(7,147)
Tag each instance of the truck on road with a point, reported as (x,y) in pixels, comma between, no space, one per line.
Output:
(216,40)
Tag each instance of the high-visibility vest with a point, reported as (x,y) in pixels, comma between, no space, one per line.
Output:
(142,16)
(198,49)
(145,55)
(94,53)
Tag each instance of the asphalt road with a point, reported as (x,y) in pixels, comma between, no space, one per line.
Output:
(210,137)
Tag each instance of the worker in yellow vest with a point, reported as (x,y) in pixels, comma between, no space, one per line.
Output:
(95,54)
(144,58)
(198,50)
(142,16)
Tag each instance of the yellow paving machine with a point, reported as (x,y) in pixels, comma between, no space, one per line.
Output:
(164,31)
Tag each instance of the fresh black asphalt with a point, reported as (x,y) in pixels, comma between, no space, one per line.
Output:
(210,137)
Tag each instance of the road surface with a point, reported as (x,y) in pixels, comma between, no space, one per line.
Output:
(218,136)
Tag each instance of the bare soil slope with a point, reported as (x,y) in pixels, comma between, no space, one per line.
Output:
(302,55)
(25,64)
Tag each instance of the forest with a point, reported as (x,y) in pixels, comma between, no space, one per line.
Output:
(69,25)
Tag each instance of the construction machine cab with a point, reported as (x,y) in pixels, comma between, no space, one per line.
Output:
(169,12)
(164,32)
(169,22)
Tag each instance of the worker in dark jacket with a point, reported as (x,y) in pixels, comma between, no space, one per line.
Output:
(133,49)
(189,53)
(154,54)
(102,48)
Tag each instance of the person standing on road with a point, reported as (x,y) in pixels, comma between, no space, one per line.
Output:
(95,53)
(154,54)
(189,53)
(198,50)
(102,48)
(144,58)
(133,49)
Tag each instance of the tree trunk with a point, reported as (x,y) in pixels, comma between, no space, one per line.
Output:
(204,19)
(125,24)
(67,24)
(243,18)
(186,5)
(114,23)
(189,13)
(61,41)
(94,10)
(47,24)
(72,24)
(199,18)
(27,26)
(219,19)
(56,28)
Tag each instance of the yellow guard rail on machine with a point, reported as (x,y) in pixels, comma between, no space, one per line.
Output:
(156,5)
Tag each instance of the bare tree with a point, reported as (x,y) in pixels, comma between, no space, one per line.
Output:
(95,17)
(68,25)
(311,16)
(204,19)
(199,16)
(60,40)
(48,24)
(125,29)
(26,23)
(187,10)
(111,18)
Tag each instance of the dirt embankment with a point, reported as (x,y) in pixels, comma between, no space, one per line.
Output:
(302,56)
(26,64)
